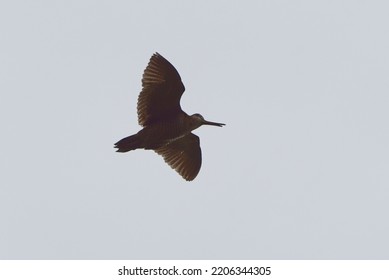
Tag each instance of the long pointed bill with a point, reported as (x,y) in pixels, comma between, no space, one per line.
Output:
(213,123)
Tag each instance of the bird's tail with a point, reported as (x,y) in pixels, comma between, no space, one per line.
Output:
(128,144)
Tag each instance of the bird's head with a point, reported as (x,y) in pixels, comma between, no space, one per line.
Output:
(199,121)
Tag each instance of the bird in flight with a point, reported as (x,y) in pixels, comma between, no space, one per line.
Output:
(166,127)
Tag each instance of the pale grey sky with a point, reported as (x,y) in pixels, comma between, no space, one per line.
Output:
(299,172)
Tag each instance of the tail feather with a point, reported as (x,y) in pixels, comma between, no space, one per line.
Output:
(128,144)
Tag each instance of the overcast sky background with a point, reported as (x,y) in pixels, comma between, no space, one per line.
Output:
(300,171)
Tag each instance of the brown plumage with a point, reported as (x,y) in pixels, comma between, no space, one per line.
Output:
(166,128)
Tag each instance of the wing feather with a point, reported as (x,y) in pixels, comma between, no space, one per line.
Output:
(183,155)
(162,89)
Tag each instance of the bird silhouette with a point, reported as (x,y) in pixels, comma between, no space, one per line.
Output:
(166,127)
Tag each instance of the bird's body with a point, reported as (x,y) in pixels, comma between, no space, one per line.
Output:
(167,129)
(162,132)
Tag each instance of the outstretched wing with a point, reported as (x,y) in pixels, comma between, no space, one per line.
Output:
(161,92)
(183,155)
